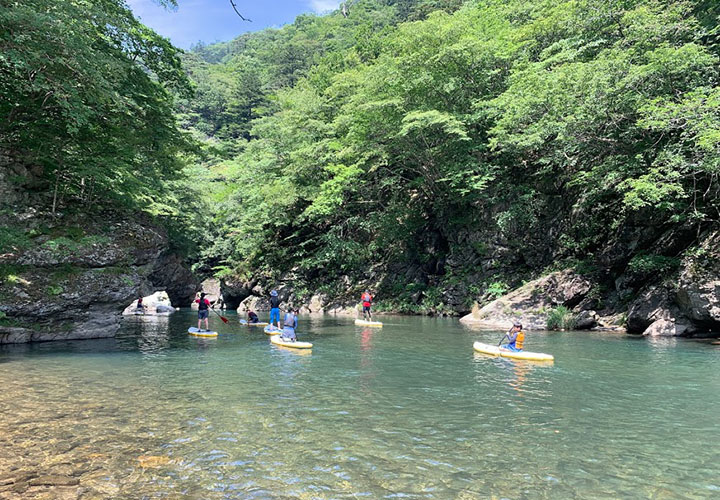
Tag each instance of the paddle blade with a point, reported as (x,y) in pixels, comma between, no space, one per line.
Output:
(225,320)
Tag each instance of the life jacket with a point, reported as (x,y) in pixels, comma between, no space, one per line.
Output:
(202,304)
(519,340)
(366,299)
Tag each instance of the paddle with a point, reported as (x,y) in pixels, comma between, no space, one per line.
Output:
(225,320)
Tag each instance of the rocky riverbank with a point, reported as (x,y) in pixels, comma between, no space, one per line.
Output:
(683,303)
(70,276)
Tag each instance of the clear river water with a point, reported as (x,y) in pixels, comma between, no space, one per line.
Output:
(406,411)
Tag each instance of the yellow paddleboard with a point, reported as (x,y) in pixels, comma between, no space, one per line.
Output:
(201,333)
(277,339)
(494,350)
(256,324)
(373,324)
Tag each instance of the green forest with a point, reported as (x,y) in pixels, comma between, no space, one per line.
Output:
(440,152)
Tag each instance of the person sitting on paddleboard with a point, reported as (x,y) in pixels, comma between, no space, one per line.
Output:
(367,299)
(203,311)
(253,318)
(516,338)
(289,325)
(274,309)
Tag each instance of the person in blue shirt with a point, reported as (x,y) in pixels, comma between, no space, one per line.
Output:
(289,325)
(515,337)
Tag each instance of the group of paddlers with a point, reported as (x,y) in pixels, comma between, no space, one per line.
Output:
(515,336)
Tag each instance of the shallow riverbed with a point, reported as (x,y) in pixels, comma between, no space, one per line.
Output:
(406,411)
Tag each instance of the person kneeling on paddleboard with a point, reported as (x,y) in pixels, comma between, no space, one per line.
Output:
(516,338)
(367,299)
(289,325)
(203,311)
(253,318)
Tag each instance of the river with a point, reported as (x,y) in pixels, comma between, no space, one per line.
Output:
(406,411)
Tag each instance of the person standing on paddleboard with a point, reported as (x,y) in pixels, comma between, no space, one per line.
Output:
(289,325)
(203,311)
(516,338)
(367,299)
(274,309)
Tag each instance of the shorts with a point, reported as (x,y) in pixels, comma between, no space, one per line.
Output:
(366,309)
(203,314)
(508,347)
(275,315)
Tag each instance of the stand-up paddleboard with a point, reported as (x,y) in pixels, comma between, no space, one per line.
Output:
(201,333)
(373,324)
(257,324)
(494,350)
(277,339)
(272,330)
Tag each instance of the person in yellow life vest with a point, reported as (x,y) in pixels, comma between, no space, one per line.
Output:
(516,338)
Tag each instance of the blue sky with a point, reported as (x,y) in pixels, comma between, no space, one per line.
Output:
(215,20)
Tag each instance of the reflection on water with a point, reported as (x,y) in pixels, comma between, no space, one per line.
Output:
(407,411)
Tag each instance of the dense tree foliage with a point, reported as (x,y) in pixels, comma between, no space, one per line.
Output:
(553,127)
(86,96)
(417,145)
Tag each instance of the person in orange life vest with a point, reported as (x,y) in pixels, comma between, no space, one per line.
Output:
(203,311)
(367,299)
(516,338)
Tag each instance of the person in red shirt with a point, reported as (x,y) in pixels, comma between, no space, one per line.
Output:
(367,299)
(203,311)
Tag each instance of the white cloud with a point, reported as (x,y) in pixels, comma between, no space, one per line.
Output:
(321,6)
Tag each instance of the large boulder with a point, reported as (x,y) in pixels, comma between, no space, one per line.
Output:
(698,294)
(155,304)
(690,305)
(530,303)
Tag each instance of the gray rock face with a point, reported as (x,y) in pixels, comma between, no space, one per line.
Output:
(586,320)
(689,307)
(77,287)
(171,275)
(530,303)
(698,294)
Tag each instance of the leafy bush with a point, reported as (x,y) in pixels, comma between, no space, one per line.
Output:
(561,318)
(497,289)
(646,264)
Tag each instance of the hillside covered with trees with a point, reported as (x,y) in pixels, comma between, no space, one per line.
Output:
(443,153)
(439,152)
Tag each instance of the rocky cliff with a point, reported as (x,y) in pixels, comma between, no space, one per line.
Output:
(70,276)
